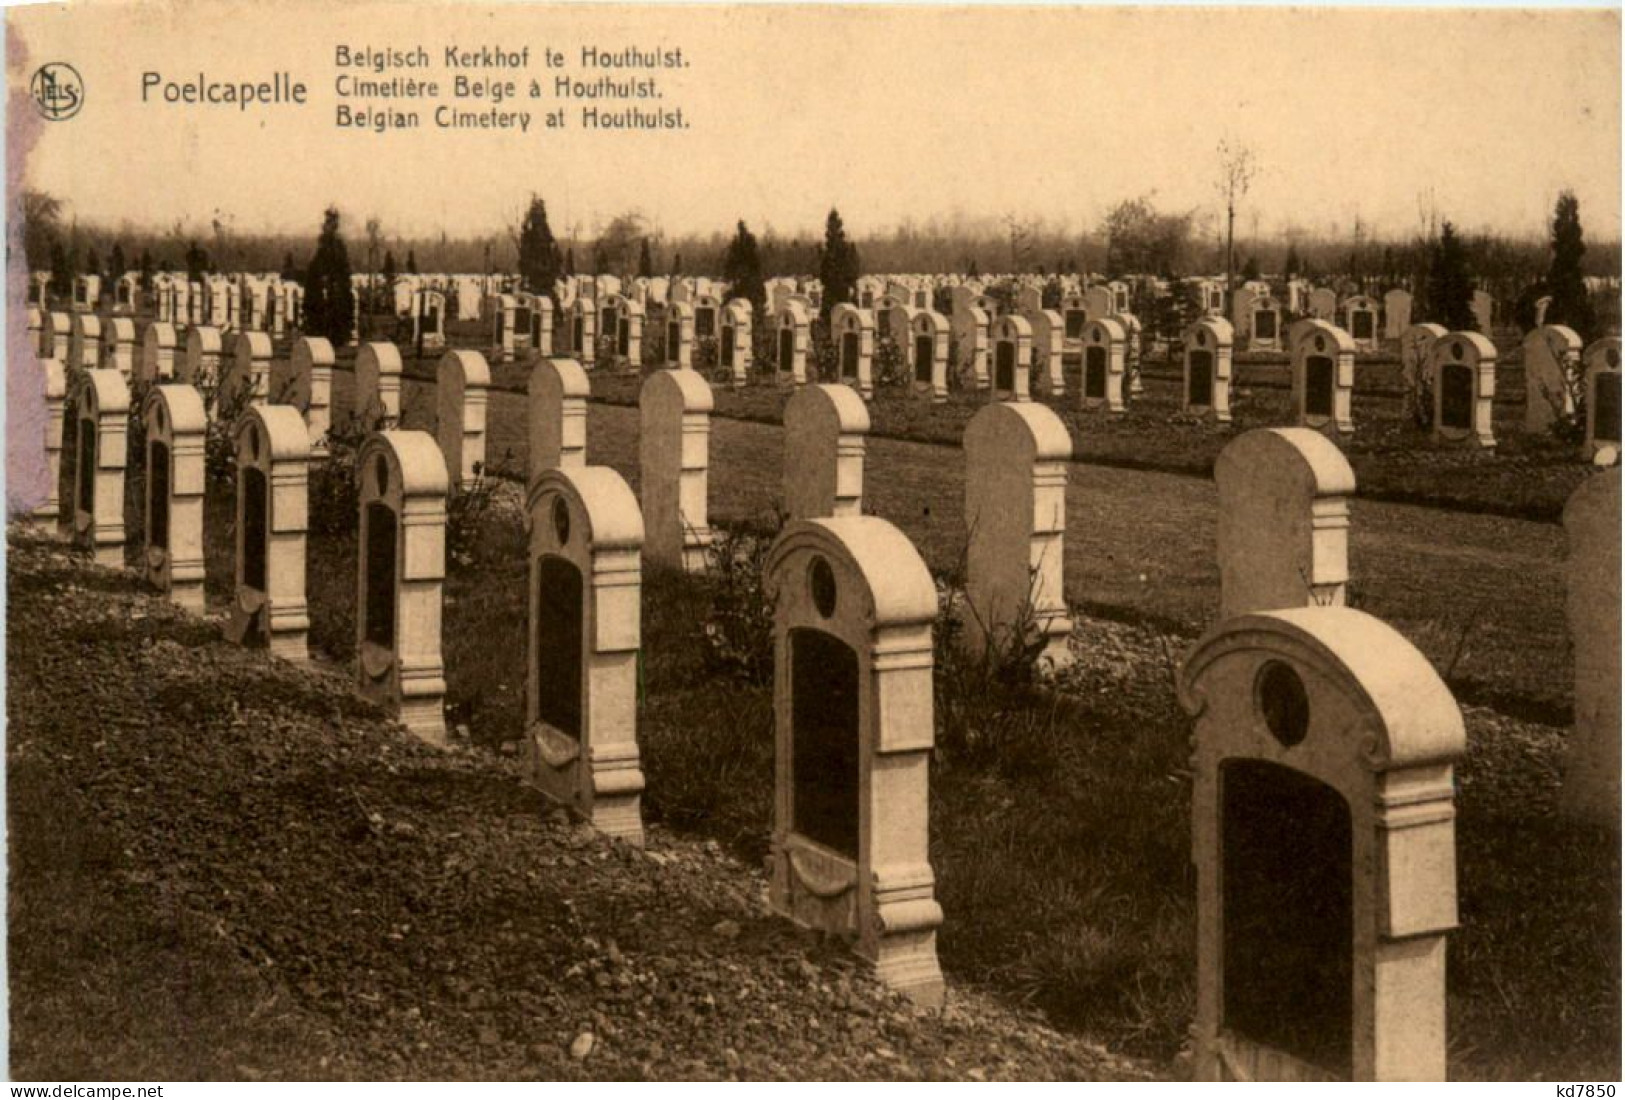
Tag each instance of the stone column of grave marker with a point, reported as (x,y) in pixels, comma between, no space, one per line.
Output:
(1105,351)
(268,602)
(629,333)
(558,416)
(378,386)
(795,330)
(929,332)
(1551,359)
(1396,312)
(305,381)
(824,431)
(1012,340)
(49,513)
(1133,335)
(584,332)
(680,336)
(104,418)
(157,362)
(1323,834)
(674,456)
(247,380)
(403,484)
(973,345)
(582,673)
(1483,311)
(1015,515)
(1601,365)
(461,389)
(200,365)
(60,340)
(1463,368)
(853,331)
(853,608)
(1591,772)
(1047,338)
(1283,521)
(172,558)
(1323,377)
(1208,348)
(85,346)
(36,332)
(734,347)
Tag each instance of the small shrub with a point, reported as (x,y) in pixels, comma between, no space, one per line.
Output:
(739,620)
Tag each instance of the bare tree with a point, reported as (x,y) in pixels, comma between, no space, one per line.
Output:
(1236,172)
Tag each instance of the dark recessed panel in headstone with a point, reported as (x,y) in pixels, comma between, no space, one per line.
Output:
(1607,418)
(158,495)
(1075,320)
(558,644)
(705,322)
(849,354)
(787,349)
(87,466)
(727,346)
(925,351)
(578,331)
(1004,365)
(522,319)
(380,557)
(623,342)
(1363,321)
(1264,324)
(1288,854)
(1319,374)
(1094,372)
(674,339)
(1200,390)
(824,735)
(1456,396)
(256,531)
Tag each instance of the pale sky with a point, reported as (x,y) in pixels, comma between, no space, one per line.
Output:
(888,113)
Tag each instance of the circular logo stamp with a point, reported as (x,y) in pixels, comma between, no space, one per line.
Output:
(58,91)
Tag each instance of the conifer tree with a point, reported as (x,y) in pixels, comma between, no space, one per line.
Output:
(538,252)
(1450,283)
(837,264)
(1571,305)
(329,297)
(742,269)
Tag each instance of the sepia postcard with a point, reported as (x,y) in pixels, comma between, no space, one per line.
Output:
(782,542)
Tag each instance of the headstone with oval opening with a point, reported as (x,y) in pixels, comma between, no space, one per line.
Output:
(1463,368)
(1012,339)
(795,337)
(102,433)
(674,454)
(462,390)
(87,292)
(1264,325)
(1105,352)
(1551,367)
(706,309)
(403,485)
(853,608)
(49,513)
(628,331)
(1283,521)
(734,345)
(157,362)
(305,381)
(581,744)
(825,428)
(929,354)
(1415,356)
(268,606)
(1074,315)
(1601,365)
(558,416)
(378,386)
(429,319)
(504,319)
(176,424)
(1208,348)
(680,336)
(1323,377)
(1016,456)
(1323,829)
(1360,322)
(853,331)
(1132,347)
(1591,773)
(118,345)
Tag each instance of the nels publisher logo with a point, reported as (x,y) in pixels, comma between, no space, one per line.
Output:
(58,91)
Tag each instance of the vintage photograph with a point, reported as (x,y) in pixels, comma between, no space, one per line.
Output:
(914,542)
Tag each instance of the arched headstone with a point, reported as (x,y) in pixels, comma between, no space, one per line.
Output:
(674,457)
(853,331)
(49,513)
(176,425)
(462,385)
(1208,349)
(102,434)
(558,416)
(1105,349)
(1463,368)
(378,386)
(794,338)
(929,354)
(268,604)
(1551,369)
(1012,340)
(1601,365)
(1323,377)
(157,353)
(824,432)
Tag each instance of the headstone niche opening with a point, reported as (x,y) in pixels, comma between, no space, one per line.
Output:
(1363,324)
(787,350)
(1319,381)
(1455,383)
(1607,415)
(403,484)
(1323,833)
(1094,373)
(158,468)
(102,426)
(1004,366)
(1199,388)
(581,746)
(268,605)
(849,356)
(175,424)
(853,606)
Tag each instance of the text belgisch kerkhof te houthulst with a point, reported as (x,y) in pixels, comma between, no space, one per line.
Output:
(379,89)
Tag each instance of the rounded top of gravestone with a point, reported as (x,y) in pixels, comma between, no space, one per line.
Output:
(572,380)
(61,322)
(1560,339)
(1268,453)
(417,466)
(598,494)
(314,351)
(928,322)
(1426,329)
(382,356)
(1359,301)
(893,584)
(182,405)
(106,391)
(1404,715)
(88,323)
(793,311)
(1462,347)
(846,317)
(160,333)
(472,365)
(681,309)
(687,383)
(203,339)
(995,424)
(1104,330)
(56,379)
(1012,327)
(584,305)
(840,405)
(281,427)
(1210,334)
(251,345)
(1302,336)
(1602,354)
